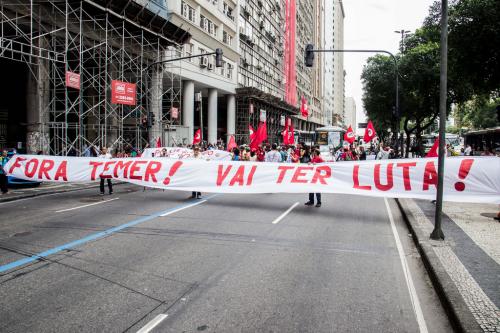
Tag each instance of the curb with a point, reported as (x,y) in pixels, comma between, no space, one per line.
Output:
(461,318)
(38,194)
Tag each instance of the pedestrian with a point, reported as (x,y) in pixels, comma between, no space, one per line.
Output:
(261,154)
(105,154)
(253,156)
(236,154)
(362,153)
(315,159)
(196,155)
(305,156)
(273,155)
(468,151)
(3,173)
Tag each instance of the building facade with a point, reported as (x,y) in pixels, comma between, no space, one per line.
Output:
(338,64)
(94,43)
(102,42)
(350,113)
(211,24)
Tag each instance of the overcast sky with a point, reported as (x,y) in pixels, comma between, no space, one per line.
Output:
(370,24)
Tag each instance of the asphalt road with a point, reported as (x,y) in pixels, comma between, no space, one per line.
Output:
(115,264)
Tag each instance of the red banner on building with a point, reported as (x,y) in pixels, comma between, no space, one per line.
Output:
(123,92)
(73,80)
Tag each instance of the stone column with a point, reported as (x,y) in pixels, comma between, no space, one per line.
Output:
(156,103)
(231,115)
(37,104)
(187,112)
(212,115)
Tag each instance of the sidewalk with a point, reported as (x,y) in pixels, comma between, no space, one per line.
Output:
(465,267)
(44,189)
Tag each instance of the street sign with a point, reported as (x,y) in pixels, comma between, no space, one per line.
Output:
(123,92)
(72,80)
(262,115)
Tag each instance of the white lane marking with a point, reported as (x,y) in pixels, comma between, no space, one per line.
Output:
(279,218)
(153,323)
(92,204)
(406,270)
(184,207)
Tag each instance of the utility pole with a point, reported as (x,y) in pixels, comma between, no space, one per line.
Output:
(437,233)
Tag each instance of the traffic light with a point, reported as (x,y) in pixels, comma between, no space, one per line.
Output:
(309,55)
(218,57)
(151,119)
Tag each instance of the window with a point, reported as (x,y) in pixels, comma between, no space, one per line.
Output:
(188,12)
(227,38)
(229,73)
(203,22)
(228,11)
(188,51)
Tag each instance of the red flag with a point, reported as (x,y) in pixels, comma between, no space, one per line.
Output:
(252,132)
(291,135)
(285,135)
(434,152)
(303,107)
(259,136)
(158,142)
(369,132)
(262,132)
(197,137)
(232,143)
(349,136)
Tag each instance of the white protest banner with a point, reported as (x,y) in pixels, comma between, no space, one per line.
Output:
(182,153)
(475,179)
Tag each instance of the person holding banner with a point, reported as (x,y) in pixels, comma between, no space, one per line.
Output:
(3,174)
(315,159)
(105,154)
(196,155)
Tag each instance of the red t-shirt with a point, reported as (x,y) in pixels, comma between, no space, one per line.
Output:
(317,159)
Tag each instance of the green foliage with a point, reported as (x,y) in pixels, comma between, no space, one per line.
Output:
(480,112)
(379,92)
(473,39)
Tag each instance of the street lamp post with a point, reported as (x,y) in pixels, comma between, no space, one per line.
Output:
(309,60)
(403,33)
(437,233)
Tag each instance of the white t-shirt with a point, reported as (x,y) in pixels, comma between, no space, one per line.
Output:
(273,156)
(107,155)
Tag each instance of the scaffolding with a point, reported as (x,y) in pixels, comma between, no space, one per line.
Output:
(101,42)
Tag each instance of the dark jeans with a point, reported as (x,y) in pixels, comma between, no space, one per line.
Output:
(195,194)
(3,183)
(318,197)
(110,185)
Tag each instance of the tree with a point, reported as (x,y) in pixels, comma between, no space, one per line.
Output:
(419,68)
(474,55)
(481,112)
(419,87)
(379,92)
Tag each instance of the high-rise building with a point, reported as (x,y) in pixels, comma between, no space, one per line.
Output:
(350,113)
(338,62)
(261,70)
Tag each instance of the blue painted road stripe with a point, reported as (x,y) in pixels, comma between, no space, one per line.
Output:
(97,235)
